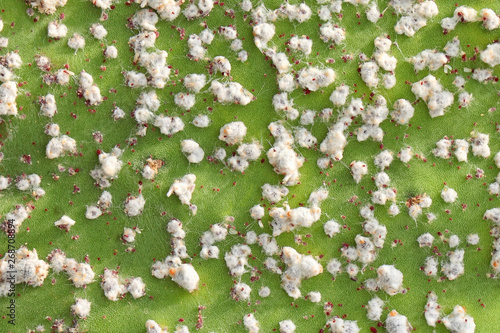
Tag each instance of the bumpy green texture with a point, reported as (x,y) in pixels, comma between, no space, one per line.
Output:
(220,193)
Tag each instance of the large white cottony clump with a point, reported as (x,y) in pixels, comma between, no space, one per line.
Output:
(233,133)
(425,240)
(304,137)
(168,10)
(231,92)
(397,323)
(183,274)
(281,102)
(29,268)
(60,145)
(192,150)
(432,92)
(442,149)
(184,188)
(134,205)
(110,166)
(459,321)
(184,100)
(299,267)
(390,279)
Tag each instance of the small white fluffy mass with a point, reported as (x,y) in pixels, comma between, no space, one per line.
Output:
(195,82)
(432,92)
(110,166)
(183,274)
(298,267)
(47,7)
(449,195)
(358,170)
(29,268)
(98,31)
(81,308)
(184,188)
(374,308)
(274,193)
(192,150)
(459,321)
(153,327)
(397,323)
(111,52)
(432,311)
(59,145)
(233,133)
(313,78)
(65,223)
(231,92)
(201,121)
(331,228)
(251,324)
(480,144)
(76,42)
(134,205)
(57,30)
(287,326)
(390,279)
